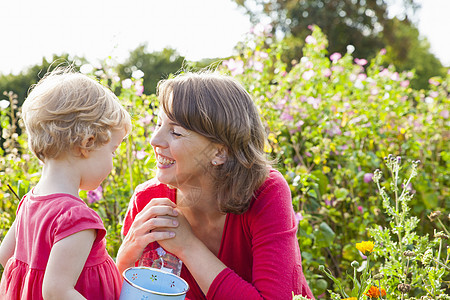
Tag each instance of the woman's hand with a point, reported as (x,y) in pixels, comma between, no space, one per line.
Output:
(154,223)
(184,237)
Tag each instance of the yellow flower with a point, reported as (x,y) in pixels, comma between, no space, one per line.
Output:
(365,247)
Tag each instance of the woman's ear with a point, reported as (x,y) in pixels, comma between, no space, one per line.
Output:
(221,155)
(85,144)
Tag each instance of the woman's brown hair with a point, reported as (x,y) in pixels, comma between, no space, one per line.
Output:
(220,109)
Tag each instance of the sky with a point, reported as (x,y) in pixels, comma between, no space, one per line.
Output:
(97,29)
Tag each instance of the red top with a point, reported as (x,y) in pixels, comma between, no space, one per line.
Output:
(42,221)
(259,247)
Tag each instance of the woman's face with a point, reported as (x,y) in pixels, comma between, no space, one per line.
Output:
(183,157)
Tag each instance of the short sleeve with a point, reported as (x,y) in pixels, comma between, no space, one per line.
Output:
(76,219)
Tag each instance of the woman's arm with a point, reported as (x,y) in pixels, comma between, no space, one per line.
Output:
(158,213)
(275,264)
(66,262)
(8,245)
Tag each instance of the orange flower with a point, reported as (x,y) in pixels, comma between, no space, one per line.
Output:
(365,247)
(375,292)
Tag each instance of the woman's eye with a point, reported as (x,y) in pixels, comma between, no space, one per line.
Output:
(176,133)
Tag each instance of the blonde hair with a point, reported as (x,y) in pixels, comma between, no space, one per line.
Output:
(220,109)
(66,109)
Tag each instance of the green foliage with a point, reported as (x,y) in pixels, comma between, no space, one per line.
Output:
(367,25)
(330,123)
(155,65)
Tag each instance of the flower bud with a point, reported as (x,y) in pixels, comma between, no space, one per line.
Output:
(378,276)
(441,235)
(321,268)
(409,253)
(434,215)
(404,288)
(355,264)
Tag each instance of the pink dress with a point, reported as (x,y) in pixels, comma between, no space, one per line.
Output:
(41,222)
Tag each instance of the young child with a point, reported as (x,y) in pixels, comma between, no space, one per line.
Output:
(55,248)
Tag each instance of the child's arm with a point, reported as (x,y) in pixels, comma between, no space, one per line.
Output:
(8,245)
(67,259)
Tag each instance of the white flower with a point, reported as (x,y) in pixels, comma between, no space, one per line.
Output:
(4,104)
(138,74)
(127,83)
(350,49)
(86,68)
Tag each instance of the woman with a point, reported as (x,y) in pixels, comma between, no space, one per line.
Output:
(215,203)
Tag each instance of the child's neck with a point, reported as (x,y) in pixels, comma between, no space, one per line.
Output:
(58,176)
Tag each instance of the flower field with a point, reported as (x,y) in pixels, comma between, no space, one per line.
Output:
(332,120)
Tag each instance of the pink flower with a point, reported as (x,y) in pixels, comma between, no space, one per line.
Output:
(383,51)
(395,76)
(368,177)
(146,120)
(298,217)
(404,83)
(337,69)
(313,101)
(433,82)
(385,73)
(445,114)
(335,57)
(258,66)
(139,88)
(434,94)
(326,72)
(261,29)
(299,124)
(236,67)
(141,154)
(360,209)
(95,195)
(361,62)
(308,75)
(262,54)
(309,65)
(287,117)
(362,77)
(26,157)
(374,91)
(310,40)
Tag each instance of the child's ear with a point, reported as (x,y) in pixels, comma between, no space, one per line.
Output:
(220,156)
(85,144)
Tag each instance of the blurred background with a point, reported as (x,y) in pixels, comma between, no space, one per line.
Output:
(158,36)
(336,101)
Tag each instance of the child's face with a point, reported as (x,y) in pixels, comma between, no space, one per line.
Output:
(99,162)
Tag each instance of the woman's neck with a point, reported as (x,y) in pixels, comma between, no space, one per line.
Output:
(198,201)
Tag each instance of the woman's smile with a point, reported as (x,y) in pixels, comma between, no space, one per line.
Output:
(164,162)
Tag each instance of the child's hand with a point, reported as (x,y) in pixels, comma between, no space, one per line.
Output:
(153,223)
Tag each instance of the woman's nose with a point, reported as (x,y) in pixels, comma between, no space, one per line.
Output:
(157,139)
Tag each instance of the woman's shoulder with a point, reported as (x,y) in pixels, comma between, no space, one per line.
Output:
(273,193)
(153,188)
(274,182)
